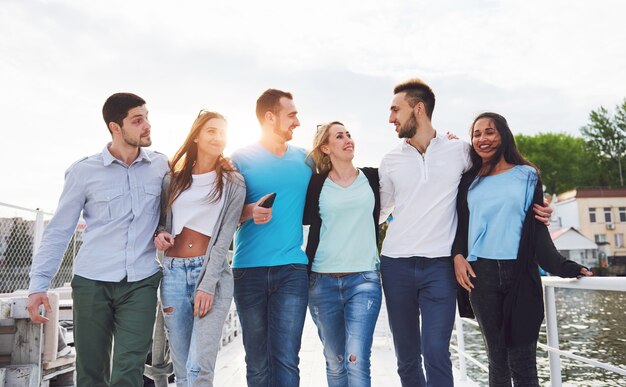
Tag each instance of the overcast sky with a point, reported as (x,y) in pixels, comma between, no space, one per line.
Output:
(542,64)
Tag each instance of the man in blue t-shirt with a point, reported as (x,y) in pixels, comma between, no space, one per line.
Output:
(269,266)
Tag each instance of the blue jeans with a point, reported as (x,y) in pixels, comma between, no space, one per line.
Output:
(193,341)
(426,287)
(492,283)
(345,310)
(271,303)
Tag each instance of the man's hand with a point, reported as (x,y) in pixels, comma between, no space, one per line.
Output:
(163,241)
(452,136)
(461,270)
(257,213)
(543,214)
(35,300)
(202,303)
(227,163)
(585,272)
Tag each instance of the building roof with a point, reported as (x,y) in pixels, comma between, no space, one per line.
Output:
(597,192)
(571,239)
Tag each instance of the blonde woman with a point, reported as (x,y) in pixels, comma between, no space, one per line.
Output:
(342,208)
(202,201)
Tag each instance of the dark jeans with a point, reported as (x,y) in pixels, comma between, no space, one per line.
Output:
(271,303)
(492,283)
(106,312)
(421,287)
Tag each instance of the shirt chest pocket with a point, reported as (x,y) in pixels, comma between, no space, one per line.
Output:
(109,204)
(151,197)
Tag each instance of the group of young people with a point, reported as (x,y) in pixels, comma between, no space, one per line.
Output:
(198,202)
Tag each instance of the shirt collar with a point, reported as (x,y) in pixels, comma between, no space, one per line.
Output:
(108,158)
(438,138)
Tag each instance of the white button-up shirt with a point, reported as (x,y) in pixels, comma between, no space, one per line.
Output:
(420,193)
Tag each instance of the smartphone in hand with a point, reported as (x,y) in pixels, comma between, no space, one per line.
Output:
(269,201)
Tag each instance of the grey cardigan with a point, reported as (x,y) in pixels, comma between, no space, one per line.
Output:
(216,262)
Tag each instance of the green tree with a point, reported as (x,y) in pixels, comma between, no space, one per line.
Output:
(605,136)
(563,160)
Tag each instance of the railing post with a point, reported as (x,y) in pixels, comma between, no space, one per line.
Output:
(553,337)
(38,232)
(460,341)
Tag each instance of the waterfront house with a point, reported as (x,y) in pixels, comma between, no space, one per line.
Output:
(575,246)
(597,213)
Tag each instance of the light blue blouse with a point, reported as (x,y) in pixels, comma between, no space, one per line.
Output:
(497,207)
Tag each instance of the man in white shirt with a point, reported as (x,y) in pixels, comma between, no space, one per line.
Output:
(418,182)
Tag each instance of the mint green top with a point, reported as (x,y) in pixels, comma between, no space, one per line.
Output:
(347,236)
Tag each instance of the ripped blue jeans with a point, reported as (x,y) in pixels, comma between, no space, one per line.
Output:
(345,310)
(193,341)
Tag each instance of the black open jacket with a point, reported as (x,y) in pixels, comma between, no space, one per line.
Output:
(312,207)
(523,305)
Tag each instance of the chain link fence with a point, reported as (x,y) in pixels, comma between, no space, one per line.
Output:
(20,235)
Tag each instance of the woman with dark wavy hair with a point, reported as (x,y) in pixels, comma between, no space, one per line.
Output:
(498,247)
(201,204)
(342,208)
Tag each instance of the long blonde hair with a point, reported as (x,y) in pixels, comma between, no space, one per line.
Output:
(320,160)
(185,158)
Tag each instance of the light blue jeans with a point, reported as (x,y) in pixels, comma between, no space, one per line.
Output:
(345,310)
(193,341)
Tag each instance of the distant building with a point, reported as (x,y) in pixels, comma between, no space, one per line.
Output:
(575,246)
(598,214)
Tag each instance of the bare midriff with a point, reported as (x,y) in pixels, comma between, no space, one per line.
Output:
(188,243)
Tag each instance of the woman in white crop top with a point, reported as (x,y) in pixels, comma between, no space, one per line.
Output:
(201,203)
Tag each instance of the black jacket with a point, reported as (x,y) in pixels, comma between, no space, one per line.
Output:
(312,207)
(523,305)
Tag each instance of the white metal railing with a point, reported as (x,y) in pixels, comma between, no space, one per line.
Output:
(549,283)
(554,353)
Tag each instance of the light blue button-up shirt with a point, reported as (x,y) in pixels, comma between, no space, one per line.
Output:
(120,204)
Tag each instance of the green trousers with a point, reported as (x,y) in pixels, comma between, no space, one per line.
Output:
(115,317)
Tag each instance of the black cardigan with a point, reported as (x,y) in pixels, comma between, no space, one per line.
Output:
(523,304)
(312,207)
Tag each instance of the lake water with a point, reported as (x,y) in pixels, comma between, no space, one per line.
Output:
(591,323)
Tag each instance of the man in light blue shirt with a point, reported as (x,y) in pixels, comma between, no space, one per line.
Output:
(269,266)
(116,274)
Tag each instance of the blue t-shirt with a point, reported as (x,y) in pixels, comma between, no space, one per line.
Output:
(497,207)
(348,234)
(278,242)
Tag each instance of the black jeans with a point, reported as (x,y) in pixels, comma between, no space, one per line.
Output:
(492,283)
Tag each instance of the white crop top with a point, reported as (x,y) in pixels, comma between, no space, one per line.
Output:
(193,209)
